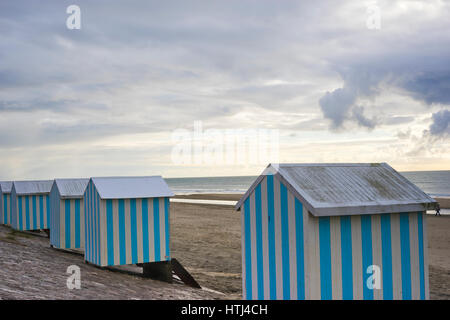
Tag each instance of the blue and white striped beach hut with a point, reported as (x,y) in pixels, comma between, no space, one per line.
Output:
(30,202)
(127,220)
(67,213)
(334,231)
(5,202)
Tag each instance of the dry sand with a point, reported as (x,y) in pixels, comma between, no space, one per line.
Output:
(30,269)
(207,240)
(438,232)
(444,203)
(211,196)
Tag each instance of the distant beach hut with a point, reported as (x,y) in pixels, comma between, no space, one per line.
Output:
(67,213)
(127,220)
(5,202)
(30,205)
(334,231)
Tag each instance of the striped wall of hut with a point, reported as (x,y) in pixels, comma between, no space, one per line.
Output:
(30,202)
(92,217)
(5,202)
(126,231)
(30,212)
(5,211)
(288,253)
(67,221)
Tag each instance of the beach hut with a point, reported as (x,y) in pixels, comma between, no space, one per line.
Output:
(67,213)
(127,220)
(30,204)
(334,231)
(5,202)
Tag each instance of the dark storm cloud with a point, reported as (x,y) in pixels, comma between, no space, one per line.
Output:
(432,87)
(417,79)
(410,53)
(337,104)
(340,104)
(441,123)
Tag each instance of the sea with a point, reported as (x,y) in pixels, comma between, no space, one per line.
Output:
(435,183)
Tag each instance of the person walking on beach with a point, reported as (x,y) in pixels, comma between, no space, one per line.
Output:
(438,209)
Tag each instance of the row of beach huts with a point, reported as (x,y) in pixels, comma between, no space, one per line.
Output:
(116,220)
(309,231)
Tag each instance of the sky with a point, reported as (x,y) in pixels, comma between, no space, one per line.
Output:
(328,79)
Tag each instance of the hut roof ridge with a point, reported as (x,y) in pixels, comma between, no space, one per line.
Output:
(132,187)
(328,189)
(71,187)
(26,187)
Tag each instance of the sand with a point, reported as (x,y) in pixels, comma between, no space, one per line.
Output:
(444,203)
(438,233)
(30,269)
(207,240)
(211,196)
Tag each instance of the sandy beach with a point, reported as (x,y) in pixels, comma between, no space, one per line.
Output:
(30,269)
(443,202)
(211,196)
(206,239)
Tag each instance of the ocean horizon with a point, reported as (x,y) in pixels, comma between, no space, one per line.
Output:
(434,183)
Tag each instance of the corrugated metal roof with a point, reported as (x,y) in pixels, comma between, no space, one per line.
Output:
(345,189)
(71,188)
(5,186)
(33,187)
(132,187)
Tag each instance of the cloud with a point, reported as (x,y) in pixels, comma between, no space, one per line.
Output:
(441,123)
(361,119)
(401,57)
(150,67)
(431,142)
(57,106)
(396,120)
(336,105)
(341,104)
(404,134)
(431,87)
